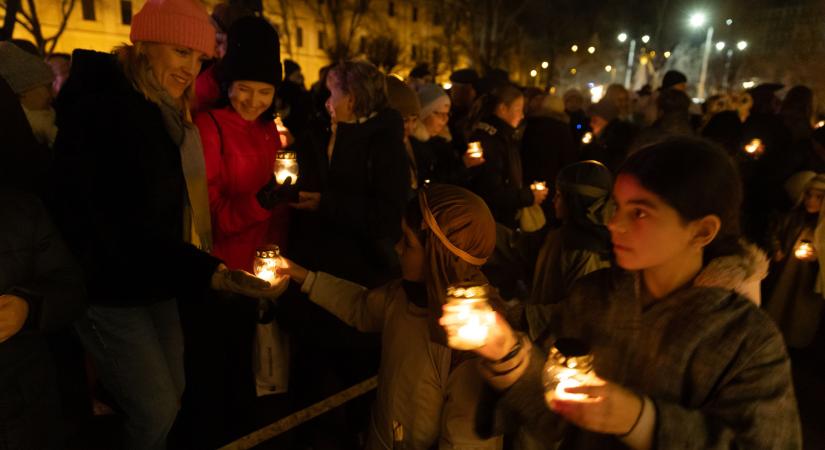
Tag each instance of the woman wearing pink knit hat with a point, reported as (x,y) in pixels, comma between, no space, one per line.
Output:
(132,203)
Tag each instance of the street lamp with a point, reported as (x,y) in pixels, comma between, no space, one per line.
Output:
(622,37)
(741,45)
(667,55)
(729,22)
(533,73)
(698,20)
(645,39)
(574,48)
(720,46)
(545,64)
(608,68)
(591,50)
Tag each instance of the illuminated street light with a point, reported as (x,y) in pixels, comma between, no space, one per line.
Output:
(591,50)
(533,73)
(645,39)
(720,46)
(608,68)
(447,85)
(622,37)
(729,22)
(545,64)
(667,55)
(741,45)
(698,19)
(574,48)
(573,71)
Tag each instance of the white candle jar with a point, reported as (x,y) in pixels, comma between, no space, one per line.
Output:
(467,316)
(474,150)
(286,166)
(267,261)
(569,364)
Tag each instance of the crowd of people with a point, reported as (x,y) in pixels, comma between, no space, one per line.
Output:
(681,246)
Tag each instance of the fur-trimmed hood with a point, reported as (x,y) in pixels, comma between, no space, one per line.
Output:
(742,273)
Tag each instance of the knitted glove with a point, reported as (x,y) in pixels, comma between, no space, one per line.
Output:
(273,194)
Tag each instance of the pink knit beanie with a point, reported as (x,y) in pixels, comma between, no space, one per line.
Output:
(178,22)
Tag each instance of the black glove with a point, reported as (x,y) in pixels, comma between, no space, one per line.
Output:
(273,194)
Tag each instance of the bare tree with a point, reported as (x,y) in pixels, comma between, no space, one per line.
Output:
(494,31)
(286,13)
(341,20)
(453,17)
(384,52)
(26,15)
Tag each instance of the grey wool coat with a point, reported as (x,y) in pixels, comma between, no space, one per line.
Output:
(714,365)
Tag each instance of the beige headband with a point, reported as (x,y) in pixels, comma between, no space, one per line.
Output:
(430,220)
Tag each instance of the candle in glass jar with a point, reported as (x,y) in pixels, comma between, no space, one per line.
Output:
(267,261)
(474,150)
(754,147)
(804,250)
(467,317)
(568,365)
(286,166)
(538,186)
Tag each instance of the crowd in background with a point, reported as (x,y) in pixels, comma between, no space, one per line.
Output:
(138,186)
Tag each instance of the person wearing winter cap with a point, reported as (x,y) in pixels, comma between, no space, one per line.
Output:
(248,211)
(436,159)
(463,93)
(674,79)
(30,78)
(132,202)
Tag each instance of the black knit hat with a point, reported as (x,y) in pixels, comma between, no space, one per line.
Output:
(253,52)
(672,78)
(466,76)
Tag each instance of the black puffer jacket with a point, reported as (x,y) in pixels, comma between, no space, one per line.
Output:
(119,190)
(499,180)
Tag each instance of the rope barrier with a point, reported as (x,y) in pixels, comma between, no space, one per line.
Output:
(287,423)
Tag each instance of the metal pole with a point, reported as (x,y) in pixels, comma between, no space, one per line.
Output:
(705,60)
(728,58)
(631,58)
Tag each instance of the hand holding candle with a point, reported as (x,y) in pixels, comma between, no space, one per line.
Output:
(467,317)
(267,261)
(286,166)
(755,147)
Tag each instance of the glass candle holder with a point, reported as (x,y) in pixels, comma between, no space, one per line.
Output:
(587,138)
(286,166)
(755,147)
(267,261)
(569,364)
(539,186)
(475,150)
(467,316)
(804,250)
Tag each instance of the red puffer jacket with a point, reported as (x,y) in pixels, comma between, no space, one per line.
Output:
(239,158)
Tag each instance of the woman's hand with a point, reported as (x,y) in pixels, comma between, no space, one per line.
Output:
(308,201)
(244,283)
(297,273)
(470,162)
(611,409)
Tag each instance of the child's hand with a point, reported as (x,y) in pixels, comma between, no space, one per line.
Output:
(611,409)
(297,273)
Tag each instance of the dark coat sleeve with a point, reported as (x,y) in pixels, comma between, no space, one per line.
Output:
(490,179)
(52,284)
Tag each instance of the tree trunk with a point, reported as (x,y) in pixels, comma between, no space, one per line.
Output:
(12,6)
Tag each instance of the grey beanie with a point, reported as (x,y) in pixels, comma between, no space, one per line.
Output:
(22,70)
(432,97)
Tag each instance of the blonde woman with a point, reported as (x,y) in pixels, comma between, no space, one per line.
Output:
(133,206)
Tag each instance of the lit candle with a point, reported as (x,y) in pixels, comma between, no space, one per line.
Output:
(267,261)
(820,124)
(754,147)
(286,166)
(467,317)
(804,250)
(538,186)
(587,138)
(568,365)
(474,150)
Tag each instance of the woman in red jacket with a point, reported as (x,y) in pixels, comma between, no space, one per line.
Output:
(240,143)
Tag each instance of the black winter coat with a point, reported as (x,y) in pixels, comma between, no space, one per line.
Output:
(547,146)
(364,190)
(498,181)
(119,190)
(437,161)
(35,266)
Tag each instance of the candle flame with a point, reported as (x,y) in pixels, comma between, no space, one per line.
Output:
(587,138)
